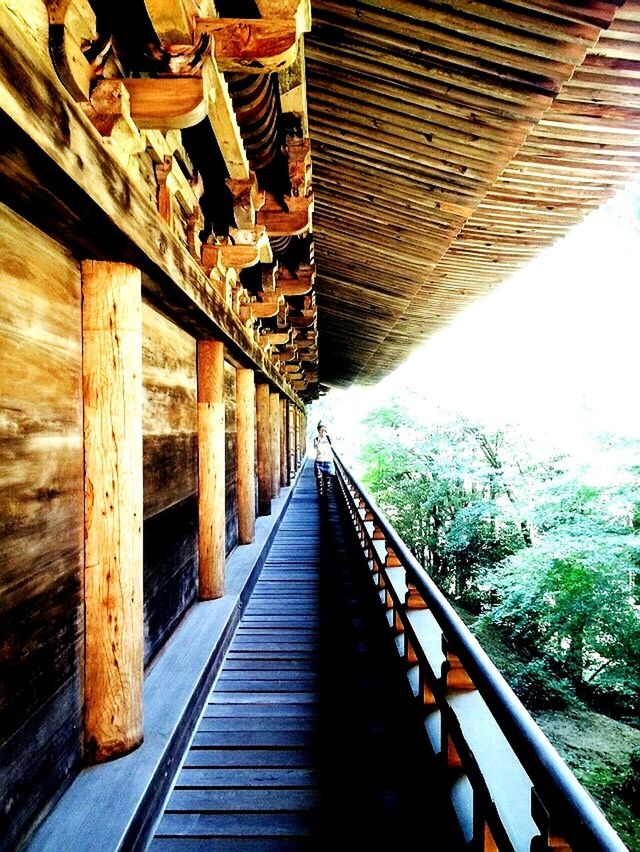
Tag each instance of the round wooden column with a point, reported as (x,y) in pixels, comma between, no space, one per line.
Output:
(246,414)
(112,395)
(275,442)
(263,426)
(211,469)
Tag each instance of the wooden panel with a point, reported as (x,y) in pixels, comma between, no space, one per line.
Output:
(245,454)
(169,412)
(170,571)
(41,521)
(231,457)
(170,477)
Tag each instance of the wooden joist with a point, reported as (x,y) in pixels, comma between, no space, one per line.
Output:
(456,141)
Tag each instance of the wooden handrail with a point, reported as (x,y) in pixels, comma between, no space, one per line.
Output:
(560,813)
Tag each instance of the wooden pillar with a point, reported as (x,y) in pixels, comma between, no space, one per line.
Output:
(211,469)
(275,443)
(246,419)
(263,425)
(283,443)
(112,395)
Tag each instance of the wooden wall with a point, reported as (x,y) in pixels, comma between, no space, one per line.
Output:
(41,521)
(41,510)
(170,477)
(231,453)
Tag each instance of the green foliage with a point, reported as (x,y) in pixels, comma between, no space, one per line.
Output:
(549,556)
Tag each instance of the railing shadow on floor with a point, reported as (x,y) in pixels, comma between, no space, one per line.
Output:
(509,787)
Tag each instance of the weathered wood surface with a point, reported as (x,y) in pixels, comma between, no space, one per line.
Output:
(263,448)
(98,206)
(41,521)
(170,571)
(309,733)
(112,395)
(211,468)
(274,407)
(417,115)
(245,459)
(169,413)
(231,457)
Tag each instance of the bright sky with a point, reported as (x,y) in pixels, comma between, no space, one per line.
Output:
(556,348)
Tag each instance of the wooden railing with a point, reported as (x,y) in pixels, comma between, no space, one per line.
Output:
(509,787)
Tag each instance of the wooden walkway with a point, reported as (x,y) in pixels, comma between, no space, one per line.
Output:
(309,735)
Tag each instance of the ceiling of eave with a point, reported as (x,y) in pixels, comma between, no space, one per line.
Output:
(452,141)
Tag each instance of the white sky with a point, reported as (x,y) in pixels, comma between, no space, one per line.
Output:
(555,349)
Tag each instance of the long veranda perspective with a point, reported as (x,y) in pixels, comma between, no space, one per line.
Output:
(212,214)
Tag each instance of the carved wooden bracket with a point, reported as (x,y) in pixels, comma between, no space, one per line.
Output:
(277,338)
(245,247)
(247,200)
(293,218)
(298,152)
(70,37)
(258,310)
(305,319)
(297,284)
(252,46)
(179,60)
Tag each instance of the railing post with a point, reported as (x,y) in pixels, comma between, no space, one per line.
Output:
(246,420)
(211,469)
(263,427)
(112,397)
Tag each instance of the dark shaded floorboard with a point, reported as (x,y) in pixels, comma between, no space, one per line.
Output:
(310,735)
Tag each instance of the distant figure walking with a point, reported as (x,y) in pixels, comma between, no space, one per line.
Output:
(324,467)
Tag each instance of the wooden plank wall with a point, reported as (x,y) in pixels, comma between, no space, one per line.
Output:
(41,521)
(170,477)
(41,509)
(231,453)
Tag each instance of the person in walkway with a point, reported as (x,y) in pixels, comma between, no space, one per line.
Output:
(324,467)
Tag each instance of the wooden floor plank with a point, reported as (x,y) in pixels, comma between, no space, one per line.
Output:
(248,801)
(217,758)
(308,738)
(253,739)
(234,824)
(253,776)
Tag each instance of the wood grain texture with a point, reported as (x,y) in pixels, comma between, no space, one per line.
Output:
(283,444)
(246,420)
(73,183)
(211,468)
(169,414)
(170,476)
(264,449)
(274,408)
(41,521)
(231,458)
(112,392)
(444,137)
(170,571)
